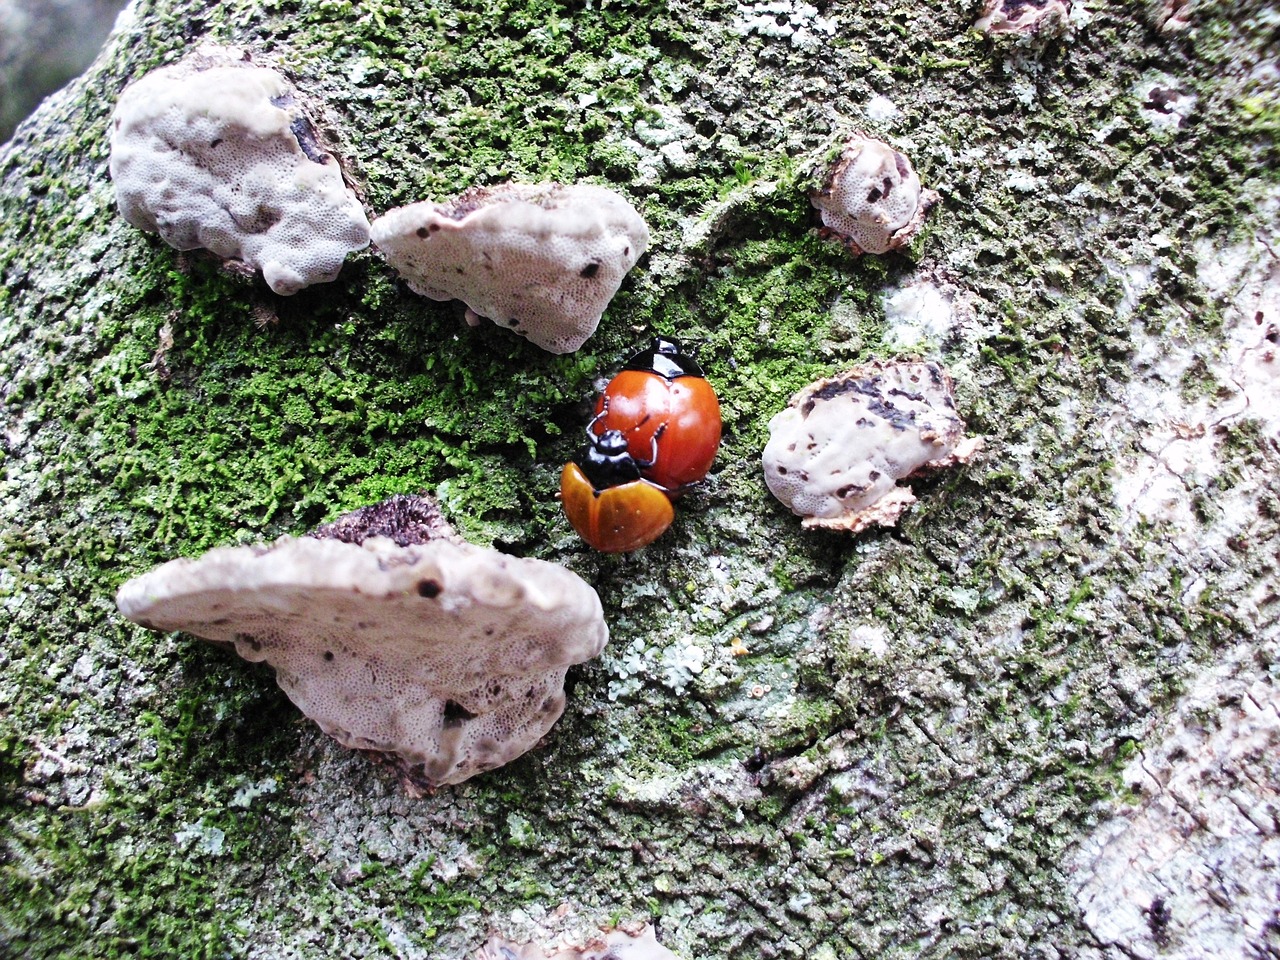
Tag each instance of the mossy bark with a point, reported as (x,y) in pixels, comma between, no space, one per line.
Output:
(926,723)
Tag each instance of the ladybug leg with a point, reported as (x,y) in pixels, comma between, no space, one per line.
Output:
(604,412)
(653,457)
(591,434)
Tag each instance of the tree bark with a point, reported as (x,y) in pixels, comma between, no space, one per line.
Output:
(1037,719)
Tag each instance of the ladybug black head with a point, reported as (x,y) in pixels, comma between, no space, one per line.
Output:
(606,462)
(666,358)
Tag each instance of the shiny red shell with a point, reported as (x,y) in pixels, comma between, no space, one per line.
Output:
(616,519)
(639,403)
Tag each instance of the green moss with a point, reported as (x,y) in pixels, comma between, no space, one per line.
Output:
(159,407)
(94,887)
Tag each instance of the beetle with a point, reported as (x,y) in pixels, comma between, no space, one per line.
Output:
(661,392)
(608,501)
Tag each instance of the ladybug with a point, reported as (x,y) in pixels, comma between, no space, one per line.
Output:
(607,499)
(661,393)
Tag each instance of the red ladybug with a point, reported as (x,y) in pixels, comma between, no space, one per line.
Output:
(607,500)
(661,402)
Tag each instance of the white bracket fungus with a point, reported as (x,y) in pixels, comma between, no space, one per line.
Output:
(872,201)
(836,453)
(1035,21)
(543,260)
(446,658)
(1174,16)
(216,152)
(619,944)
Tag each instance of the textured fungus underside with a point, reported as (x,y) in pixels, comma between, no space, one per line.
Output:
(798,744)
(215,152)
(541,259)
(441,657)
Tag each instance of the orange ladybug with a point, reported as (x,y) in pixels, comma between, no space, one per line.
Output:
(661,402)
(608,501)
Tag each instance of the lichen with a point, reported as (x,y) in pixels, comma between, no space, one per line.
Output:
(877,799)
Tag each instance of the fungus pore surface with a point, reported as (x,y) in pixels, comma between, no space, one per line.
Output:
(542,260)
(217,152)
(872,201)
(620,944)
(1040,19)
(836,453)
(447,658)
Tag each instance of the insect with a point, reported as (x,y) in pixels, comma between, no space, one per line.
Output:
(608,501)
(661,393)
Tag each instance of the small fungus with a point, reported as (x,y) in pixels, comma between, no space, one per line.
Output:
(1032,21)
(542,260)
(627,943)
(445,658)
(872,201)
(216,152)
(1164,104)
(1174,16)
(836,453)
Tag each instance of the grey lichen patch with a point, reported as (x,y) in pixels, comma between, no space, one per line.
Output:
(620,944)
(1177,466)
(1202,824)
(801,24)
(1164,102)
(927,311)
(216,152)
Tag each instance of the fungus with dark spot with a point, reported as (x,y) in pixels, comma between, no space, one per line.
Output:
(542,259)
(445,658)
(216,152)
(1174,16)
(872,201)
(1029,22)
(836,453)
(626,942)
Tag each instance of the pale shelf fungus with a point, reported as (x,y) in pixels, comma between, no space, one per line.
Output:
(217,152)
(445,658)
(542,260)
(836,453)
(872,200)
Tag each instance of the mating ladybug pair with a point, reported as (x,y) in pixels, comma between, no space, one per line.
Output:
(655,432)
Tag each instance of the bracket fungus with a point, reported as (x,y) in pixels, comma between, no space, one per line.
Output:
(872,201)
(1031,21)
(217,152)
(618,944)
(445,658)
(543,260)
(836,453)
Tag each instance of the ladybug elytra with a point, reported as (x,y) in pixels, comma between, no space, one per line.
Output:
(609,503)
(655,432)
(660,401)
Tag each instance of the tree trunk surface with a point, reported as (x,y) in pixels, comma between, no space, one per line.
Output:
(1036,719)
